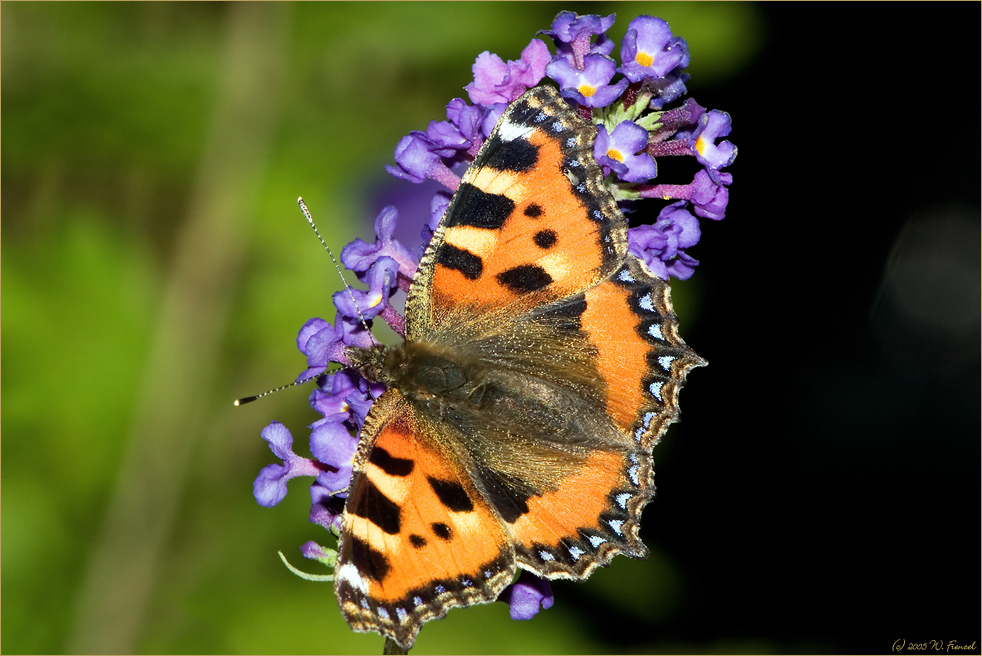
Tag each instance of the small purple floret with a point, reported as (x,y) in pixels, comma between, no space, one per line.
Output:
(314,551)
(326,507)
(708,198)
(589,86)
(333,444)
(667,89)
(572,33)
(467,119)
(323,343)
(672,120)
(649,50)
(414,158)
(618,150)
(713,125)
(382,279)
(526,596)
(269,487)
(438,205)
(359,256)
(660,246)
(498,82)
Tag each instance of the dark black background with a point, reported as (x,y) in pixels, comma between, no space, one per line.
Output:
(823,486)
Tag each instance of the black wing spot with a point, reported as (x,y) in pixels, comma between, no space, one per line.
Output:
(525,278)
(452,495)
(418,541)
(390,465)
(377,508)
(545,239)
(474,207)
(516,155)
(460,260)
(568,315)
(441,530)
(533,211)
(511,505)
(366,560)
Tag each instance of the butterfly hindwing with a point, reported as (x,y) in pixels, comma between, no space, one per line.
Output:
(629,318)
(418,538)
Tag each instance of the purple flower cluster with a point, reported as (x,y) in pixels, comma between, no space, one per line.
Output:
(634,129)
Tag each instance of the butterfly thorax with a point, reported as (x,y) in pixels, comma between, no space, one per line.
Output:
(424,373)
(500,399)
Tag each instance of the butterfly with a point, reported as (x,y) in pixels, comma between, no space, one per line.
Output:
(541,364)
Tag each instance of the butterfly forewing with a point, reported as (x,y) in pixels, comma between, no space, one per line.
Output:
(530,223)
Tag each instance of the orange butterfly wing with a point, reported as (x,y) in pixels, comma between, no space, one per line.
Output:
(531,222)
(417,537)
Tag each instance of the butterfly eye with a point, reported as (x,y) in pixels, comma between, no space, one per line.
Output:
(573,180)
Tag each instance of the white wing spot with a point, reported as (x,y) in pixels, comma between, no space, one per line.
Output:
(616,525)
(509,130)
(647,303)
(545,555)
(666,361)
(655,331)
(596,540)
(349,574)
(622,499)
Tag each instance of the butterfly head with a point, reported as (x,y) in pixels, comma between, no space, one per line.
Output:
(370,362)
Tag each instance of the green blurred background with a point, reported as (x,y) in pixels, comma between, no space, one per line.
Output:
(155,267)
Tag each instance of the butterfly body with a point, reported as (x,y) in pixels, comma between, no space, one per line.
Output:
(541,364)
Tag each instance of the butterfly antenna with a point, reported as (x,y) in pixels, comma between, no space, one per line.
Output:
(250,399)
(310,220)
